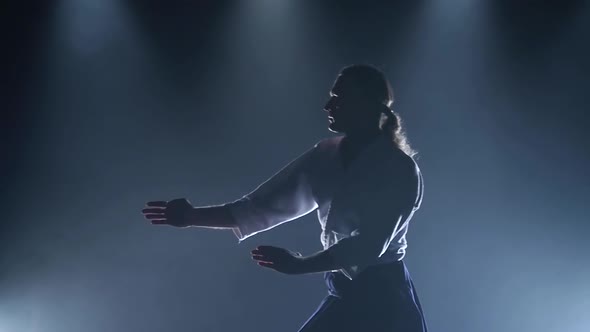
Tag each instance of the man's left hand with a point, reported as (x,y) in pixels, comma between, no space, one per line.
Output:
(278,259)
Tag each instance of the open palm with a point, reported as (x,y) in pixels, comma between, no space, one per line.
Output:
(175,212)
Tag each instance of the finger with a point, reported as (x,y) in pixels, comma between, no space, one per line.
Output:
(272,255)
(262,258)
(155,216)
(160,222)
(266,264)
(263,247)
(157,203)
(153,210)
(269,249)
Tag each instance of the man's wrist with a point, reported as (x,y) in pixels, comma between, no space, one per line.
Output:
(210,217)
(189,217)
(322,261)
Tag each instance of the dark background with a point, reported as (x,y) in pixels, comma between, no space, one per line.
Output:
(109,104)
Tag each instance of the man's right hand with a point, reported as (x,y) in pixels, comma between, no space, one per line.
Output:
(175,212)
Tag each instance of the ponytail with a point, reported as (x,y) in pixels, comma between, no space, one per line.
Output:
(391,124)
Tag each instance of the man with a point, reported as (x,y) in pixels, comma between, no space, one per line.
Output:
(365,187)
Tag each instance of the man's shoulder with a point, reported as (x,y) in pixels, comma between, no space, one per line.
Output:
(328,145)
(402,161)
(329,142)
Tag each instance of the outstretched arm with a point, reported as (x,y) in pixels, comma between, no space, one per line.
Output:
(285,196)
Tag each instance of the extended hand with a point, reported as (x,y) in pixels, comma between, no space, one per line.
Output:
(175,212)
(278,259)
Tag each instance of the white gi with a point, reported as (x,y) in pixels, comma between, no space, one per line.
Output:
(366,206)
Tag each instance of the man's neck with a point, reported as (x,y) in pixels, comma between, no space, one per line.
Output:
(362,138)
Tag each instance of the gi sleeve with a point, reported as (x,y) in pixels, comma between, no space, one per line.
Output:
(285,196)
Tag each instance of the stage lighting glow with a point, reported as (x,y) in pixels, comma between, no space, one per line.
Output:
(88,26)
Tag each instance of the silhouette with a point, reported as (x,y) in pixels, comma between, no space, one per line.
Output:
(365,186)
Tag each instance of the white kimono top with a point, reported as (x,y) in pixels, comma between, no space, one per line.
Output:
(366,205)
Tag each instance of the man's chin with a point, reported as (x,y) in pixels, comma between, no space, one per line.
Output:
(334,128)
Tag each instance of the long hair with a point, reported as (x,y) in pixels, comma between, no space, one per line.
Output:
(373,84)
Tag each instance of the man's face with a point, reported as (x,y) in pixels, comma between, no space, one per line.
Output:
(344,108)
